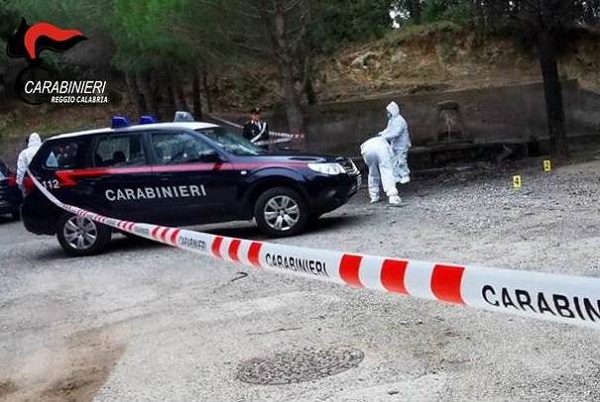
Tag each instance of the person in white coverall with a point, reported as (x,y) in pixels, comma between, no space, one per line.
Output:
(396,133)
(378,156)
(33,144)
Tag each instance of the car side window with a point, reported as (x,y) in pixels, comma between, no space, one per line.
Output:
(66,154)
(119,151)
(178,148)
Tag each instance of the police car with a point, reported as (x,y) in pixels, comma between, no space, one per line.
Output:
(177,174)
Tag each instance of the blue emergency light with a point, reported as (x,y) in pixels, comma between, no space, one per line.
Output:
(119,122)
(147,119)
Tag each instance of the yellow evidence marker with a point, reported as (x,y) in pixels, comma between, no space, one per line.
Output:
(517,182)
(547,166)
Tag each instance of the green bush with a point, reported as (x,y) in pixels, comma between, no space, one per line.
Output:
(457,11)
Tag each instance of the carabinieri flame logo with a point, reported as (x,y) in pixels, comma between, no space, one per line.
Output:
(29,41)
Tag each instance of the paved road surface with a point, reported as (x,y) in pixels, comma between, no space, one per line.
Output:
(146,322)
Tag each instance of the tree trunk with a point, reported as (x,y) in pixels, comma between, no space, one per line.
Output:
(134,94)
(286,70)
(414,10)
(180,101)
(169,96)
(149,96)
(197,101)
(292,104)
(207,91)
(559,146)
(308,88)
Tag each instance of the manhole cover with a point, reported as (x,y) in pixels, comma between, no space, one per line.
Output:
(306,364)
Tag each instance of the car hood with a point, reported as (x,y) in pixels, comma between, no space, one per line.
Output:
(282,157)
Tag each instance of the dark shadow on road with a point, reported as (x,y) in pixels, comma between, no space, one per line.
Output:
(5,219)
(132,243)
(55,253)
(118,244)
(323,224)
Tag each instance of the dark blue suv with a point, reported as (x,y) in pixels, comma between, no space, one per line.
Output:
(178,174)
(10,195)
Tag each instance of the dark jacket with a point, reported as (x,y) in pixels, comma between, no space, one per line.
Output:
(256,131)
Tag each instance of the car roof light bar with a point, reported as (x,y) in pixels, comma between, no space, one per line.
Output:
(147,119)
(119,122)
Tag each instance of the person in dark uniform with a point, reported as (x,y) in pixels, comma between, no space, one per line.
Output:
(256,129)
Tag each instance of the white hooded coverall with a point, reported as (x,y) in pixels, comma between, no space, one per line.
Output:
(33,144)
(377,154)
(396,133)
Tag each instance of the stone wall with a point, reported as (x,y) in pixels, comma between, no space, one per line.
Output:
(490,115)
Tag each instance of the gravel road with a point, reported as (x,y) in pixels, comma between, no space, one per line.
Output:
(145,322)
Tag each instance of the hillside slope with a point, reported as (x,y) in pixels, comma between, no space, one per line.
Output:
(444,56)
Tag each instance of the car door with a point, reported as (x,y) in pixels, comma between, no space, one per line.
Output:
(197,183)
(120,177)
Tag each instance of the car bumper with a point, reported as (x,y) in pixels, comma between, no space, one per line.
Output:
(9,205)
(334,192)
(39,216)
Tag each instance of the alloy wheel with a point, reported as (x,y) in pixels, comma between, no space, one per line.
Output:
(281,213)
(80,233)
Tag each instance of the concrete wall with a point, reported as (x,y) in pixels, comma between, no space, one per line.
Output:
(490,115)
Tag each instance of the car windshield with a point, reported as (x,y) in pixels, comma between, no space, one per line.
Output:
(232,143)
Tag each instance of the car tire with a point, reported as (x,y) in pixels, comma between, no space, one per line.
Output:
(281,212)
(16,215)
(79,236)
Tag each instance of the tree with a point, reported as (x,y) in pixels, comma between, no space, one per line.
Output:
(290,35)
(414,9)
(549,26)
(271,31)
(339,22)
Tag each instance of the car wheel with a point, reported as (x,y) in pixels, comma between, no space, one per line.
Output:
(16,215)
(281,212)
(81,236)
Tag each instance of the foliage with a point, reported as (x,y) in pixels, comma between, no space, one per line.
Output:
(339,21)
(457,11)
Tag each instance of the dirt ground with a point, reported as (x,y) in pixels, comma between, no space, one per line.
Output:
(145,322)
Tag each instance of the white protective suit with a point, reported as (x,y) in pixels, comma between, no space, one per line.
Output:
(397,135)
(378,156)
(25,157)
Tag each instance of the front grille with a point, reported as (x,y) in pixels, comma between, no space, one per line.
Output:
(348,166)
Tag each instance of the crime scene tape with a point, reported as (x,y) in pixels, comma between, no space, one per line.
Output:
(287,136)
(554,297)
(269,142)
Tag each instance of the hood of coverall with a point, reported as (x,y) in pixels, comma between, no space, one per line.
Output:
(34,140)
(393,109)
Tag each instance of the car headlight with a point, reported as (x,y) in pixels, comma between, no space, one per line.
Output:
(331,169)
(354,167)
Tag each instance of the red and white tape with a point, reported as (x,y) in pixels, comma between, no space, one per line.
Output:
(286,135)
(560,298)
(270,142)
(283,137)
